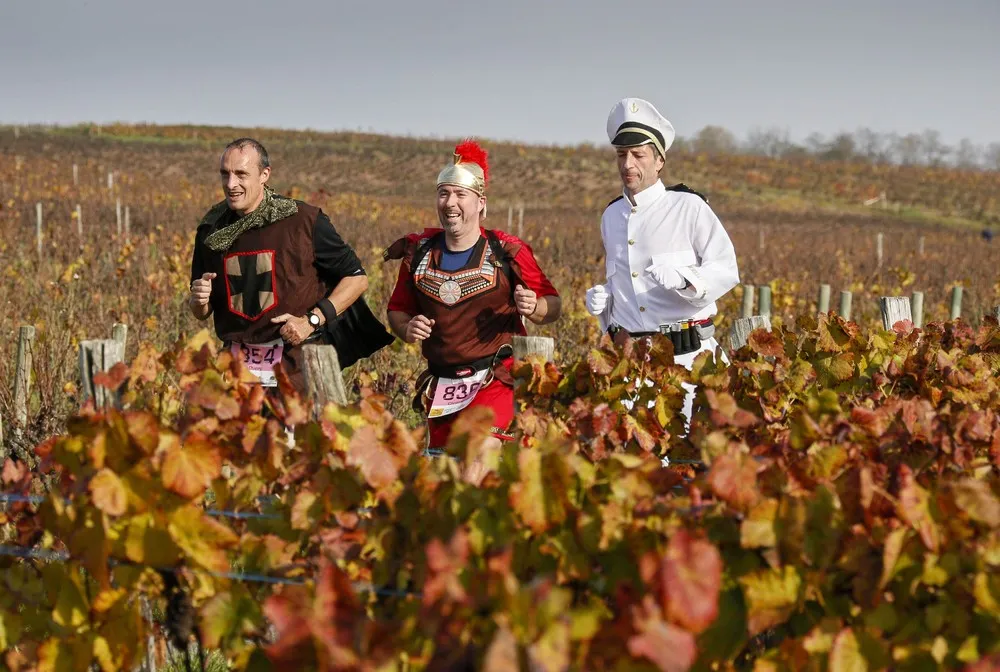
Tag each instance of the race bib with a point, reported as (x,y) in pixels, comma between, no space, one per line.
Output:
(261,358)
(453,394)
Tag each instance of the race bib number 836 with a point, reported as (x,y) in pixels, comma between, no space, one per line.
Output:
(453,394)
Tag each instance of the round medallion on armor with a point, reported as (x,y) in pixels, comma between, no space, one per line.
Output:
(450,292)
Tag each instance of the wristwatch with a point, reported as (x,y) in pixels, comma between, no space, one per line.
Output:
(314,320)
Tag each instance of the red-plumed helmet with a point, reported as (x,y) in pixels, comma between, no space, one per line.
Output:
(470,169)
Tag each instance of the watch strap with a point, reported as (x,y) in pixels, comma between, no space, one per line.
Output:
(329,311)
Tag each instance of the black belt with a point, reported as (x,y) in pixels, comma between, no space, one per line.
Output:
(685,340)
(468,368)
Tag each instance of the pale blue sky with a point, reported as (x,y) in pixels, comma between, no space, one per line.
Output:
(536,71)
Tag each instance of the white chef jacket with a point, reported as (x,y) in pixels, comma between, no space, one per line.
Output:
(664,227)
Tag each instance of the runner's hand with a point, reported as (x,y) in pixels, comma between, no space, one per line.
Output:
(294,329)
(597,299)
(201,290)
(526,301)
(418,329)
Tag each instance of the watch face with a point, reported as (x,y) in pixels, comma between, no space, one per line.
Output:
(314,319)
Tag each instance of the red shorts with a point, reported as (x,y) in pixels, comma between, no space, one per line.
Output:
(497,396)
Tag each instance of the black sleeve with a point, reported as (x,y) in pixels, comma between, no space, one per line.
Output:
(198,263)
(335,259)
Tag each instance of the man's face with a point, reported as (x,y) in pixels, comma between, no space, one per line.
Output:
(639,167)
(242,179)
(459,208)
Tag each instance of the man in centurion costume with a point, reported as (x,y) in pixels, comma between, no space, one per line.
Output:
(462,291)
(668,257)
(276,275)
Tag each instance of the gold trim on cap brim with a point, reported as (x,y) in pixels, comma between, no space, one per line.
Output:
(642,131)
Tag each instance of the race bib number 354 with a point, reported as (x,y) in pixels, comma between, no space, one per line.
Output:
(451,395)
(261,359)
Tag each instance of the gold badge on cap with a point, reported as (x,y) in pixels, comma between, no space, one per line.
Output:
(635,107)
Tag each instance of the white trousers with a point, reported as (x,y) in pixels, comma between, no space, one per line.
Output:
(687,361)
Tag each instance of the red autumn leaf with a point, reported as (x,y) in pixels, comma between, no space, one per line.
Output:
(373,459)
(13,472)
(726,412)
(914,508)
(113,378)
(873,422)
(670,648)
(144,430)
(765,343)
(903,327)
(443,566)
(318,631)
(733,479)
(602,362)
(692,577)
(918,417)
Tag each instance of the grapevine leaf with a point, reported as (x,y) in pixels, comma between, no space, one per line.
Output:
(771,596)
(692,577)
(733,478)
(669,647)
(975,497)
(108,492)
(188,469)
(204,540)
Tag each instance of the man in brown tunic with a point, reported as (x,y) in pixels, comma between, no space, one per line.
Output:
(276,274)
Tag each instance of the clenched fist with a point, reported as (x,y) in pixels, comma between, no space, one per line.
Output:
(418,329)
(525,300)
(201,290)
(597,299)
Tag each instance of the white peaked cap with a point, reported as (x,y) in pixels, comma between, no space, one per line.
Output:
(634,121)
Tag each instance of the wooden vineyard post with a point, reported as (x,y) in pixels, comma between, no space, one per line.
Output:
(878,248)
(894,309)
(22,377)
(76,175)
(38,227)
(920,246)
(764,300)
(324,379)
(119,333)
(740,331)
(845,305)
(96,356)
(747,309)
(542,346)
(520,222)
(128,226)
(118,214)
(823,303)
(79,223)
(956,302)
(917,309)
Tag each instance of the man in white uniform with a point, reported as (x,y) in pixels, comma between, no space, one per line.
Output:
(668,257)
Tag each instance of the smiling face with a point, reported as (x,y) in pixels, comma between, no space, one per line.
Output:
(243,179)
(459,209)
(639,167)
